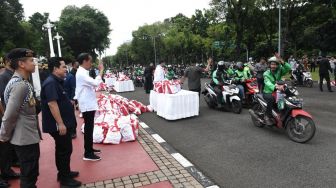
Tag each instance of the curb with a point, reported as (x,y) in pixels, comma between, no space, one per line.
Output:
(197,174)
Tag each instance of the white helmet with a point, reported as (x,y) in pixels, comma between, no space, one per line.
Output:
(273,59)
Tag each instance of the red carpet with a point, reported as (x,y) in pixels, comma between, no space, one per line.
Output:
(164,184)
(117,161)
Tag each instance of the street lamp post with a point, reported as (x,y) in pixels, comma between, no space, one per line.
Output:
(279,40)
(48,26)
(58,38)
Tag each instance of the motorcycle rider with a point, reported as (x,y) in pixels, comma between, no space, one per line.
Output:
(299,73)
(170,73)
(219,76)
(278,68)
(242,73)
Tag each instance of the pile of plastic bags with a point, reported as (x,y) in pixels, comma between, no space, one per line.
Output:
(116,120)
(167,86)
(123,77)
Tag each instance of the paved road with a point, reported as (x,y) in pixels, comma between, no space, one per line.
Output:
(233,153)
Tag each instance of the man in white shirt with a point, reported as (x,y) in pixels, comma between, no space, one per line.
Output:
(86,96)
(159,73)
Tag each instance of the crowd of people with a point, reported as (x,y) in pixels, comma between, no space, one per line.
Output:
(67,87)
(20,134)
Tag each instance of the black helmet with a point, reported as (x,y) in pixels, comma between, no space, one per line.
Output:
(220,65)
(240,66)
(227,65)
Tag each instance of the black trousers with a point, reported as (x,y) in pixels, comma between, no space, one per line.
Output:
(196,90)
(327,78)
(270,103)
(63,151)
(218,91)
(29,164)
(88,131)
(261,84)
(148,84)
(6,153)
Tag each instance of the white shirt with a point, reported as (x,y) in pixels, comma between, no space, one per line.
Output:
(159,73)
(85,90)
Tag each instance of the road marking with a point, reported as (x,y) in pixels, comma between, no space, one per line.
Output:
(143,125)
(183,161)
(213,186)
(158,138)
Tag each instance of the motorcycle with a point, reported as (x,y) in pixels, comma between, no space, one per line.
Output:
(299,124)
(138,81)
(251,90)
(231,100)
(307,79)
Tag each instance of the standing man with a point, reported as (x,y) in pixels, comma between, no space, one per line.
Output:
(149,78)
(7,153)
(20,124)
(194,74)
(58,118)
(159,73)
(70,87)
(324,73)
(86,96)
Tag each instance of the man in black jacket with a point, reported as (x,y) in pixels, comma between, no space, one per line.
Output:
(324,73)
(149,78)
(58,118)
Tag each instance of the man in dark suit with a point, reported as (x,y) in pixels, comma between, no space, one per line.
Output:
(58,118)
(324,72)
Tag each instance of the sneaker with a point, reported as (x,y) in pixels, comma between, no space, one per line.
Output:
(69,182)
(96,151)
(269,121)
(91,157)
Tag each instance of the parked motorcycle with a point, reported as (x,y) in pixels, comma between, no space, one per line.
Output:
(299,124)
(231,100)
(307,79)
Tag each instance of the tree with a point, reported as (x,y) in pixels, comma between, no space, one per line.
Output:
(11,13)
(84,29)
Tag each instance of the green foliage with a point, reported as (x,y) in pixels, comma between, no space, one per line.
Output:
(84,29)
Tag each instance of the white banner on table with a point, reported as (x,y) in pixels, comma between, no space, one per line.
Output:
(124,86)
(175,106)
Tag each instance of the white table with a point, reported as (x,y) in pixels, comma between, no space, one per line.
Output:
(110,81)
(175,106)
(124,86)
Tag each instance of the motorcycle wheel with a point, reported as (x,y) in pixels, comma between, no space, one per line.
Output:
(300,129)
(309,83)
(257,109)
(236,106)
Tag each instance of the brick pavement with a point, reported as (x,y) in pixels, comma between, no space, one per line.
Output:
(169,169)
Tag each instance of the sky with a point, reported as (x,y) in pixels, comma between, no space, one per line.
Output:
(125,16)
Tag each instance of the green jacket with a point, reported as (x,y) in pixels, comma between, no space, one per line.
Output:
(219,78)
(230,72)
(270,79)
(170,75)
(243,75)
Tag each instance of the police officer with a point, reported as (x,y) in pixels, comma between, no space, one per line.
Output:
(20,124)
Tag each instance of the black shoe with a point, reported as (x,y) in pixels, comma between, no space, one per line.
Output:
(69,182)
(73,136)
(96,151)
(4,184)
(10,175)
(91,157)
(331,91)
(72,174)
